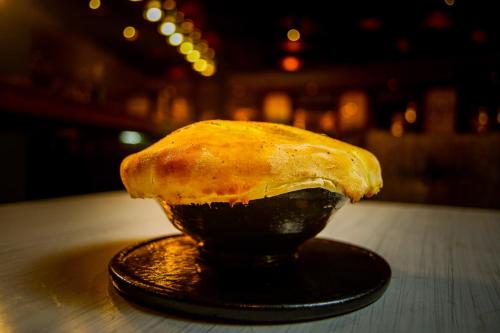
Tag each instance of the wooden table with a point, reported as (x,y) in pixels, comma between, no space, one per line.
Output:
(54,256)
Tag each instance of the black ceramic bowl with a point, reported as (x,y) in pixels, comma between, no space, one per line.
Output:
(264,232)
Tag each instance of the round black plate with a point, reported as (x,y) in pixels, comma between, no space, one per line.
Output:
(329,278)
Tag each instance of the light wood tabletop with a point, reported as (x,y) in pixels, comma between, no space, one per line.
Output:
(54,255)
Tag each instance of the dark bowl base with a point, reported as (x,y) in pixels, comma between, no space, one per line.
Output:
(264,232)
(328,278)
(231,259)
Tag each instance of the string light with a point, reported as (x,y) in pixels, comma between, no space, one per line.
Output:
(209,70)
(153,14)
(203,46)
(153,11)
(200,65)
(175,39)
(167,28)
(293,35)
(186,47)
(179,32)
(130,33)
(169,5)
(193,56)
(210,53)
(187,26)
(94,4)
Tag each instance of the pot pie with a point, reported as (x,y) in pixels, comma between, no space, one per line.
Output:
(220,161)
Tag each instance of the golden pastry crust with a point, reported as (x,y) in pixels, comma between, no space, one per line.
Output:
(238,161)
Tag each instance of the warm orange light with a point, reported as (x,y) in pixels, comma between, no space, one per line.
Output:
(299,118)
(196,35)
(482,118)
(175,39)
(449,2)
(210,70)
(167,28)
(353,110)
(397,125)
(277,107)
(200,65)
(293,35)
(210,53)
(349,110)
(180,110)
(94,4)
(203,46)
(187,27)
(327,121)
(130,33)
(397,129)
(244,114)
(169,4)
(411,113)
(290,63)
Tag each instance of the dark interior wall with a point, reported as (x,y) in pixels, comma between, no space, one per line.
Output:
(45,158)
(446,169)
(14,150)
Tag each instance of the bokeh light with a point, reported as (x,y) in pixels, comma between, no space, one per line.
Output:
(290,63)
(200,65)
(327,122)
(209,70)
(94,4)
(187,26)
(277,107)
(186,47)
(130,33)
(482,118)
(210,53)
(193,56)
(175,39)
(299,118)
(167,28)
(196,35)
(131,137)
(397,125)
(153,14)
(411,113)
(169,4)
(203,46)
(293,35)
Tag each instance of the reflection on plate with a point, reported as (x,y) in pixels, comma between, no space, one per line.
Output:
(328,279)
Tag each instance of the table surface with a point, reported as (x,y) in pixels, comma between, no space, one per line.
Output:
(54,256)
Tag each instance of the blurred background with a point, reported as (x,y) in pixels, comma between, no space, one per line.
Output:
(85,83)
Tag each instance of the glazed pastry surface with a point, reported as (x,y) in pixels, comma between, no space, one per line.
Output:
(237,161)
